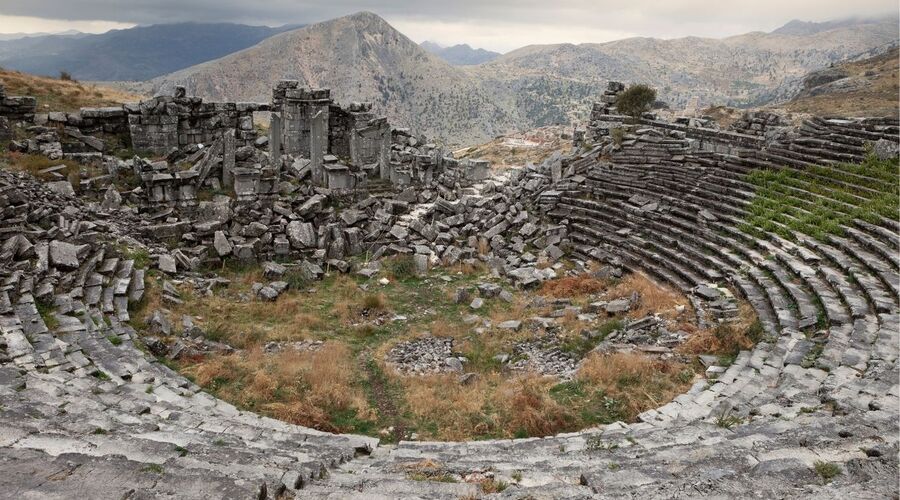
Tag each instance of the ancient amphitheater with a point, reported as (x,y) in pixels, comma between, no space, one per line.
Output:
(87,412)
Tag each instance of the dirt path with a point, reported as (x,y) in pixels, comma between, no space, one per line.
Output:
(383,398)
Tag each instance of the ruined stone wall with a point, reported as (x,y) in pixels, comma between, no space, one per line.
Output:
(357,135)
(301,111)
(108,120)
(340,126)
(604,116)
(757,123)
(370,143)
(707,139)
(17,108)
(164,123)
(604,119)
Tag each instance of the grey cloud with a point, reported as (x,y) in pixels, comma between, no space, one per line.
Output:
(651,18)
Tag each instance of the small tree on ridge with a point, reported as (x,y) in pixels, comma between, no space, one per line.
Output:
(636,100)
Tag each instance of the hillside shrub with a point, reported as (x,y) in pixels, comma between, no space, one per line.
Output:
(636,100)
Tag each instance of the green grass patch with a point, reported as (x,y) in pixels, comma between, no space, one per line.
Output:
(45,309)
(593,405)
(580,345)
(820,201)
(154,468)
(349,419)
(401,267)
(140,256)
(826,470)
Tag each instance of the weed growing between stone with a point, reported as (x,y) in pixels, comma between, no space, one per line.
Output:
(820,201)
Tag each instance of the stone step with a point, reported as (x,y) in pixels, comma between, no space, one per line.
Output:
(886,252)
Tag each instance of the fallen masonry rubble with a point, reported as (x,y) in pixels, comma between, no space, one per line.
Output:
(328,183)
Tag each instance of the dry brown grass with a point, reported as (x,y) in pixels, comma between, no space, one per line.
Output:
(354,308)
(492,405)
(638,382)
(653,297)
(457,411)
(243,277)
(726,339)
(303,388)
(450,329)
(62,95)
(466,269)
(484,246)
(240,324)
(498,406)
(572,286)
(246,323)
(328,389)
(529,407)
(518,309)
(570,321)
(151,301)
(374,302)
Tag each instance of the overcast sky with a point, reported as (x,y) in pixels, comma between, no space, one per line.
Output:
(499,25)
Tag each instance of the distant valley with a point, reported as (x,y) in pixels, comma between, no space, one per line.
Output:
(134,54)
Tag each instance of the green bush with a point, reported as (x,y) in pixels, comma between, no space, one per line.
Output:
(636,100)
(827,471)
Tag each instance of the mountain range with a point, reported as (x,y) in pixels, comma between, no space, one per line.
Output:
(16,36)
(361,57)
(461,54)
(458,95)
(138,53)
(802,28)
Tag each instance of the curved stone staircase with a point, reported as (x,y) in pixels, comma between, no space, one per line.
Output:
(84,412)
